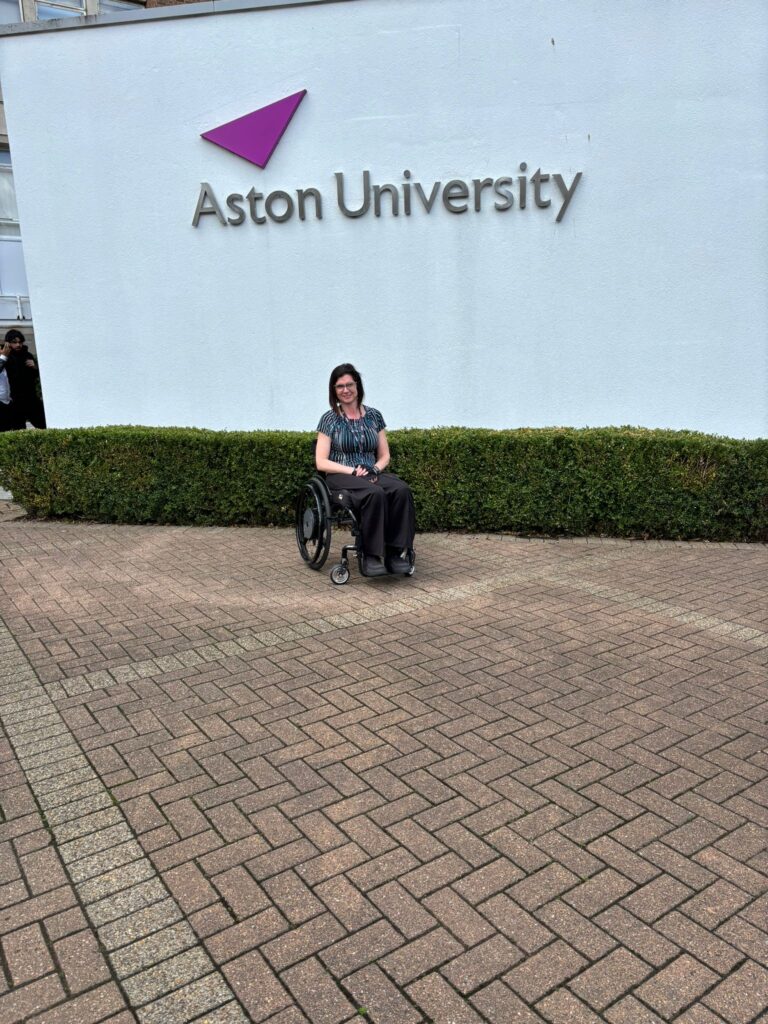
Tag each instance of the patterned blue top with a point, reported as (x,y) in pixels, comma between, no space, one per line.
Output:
(353,442)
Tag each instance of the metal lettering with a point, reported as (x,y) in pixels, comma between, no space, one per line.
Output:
(521,183)
(391,190)
(305,193)
(428,203)
(453,192)
(537,178)
(206,193)
(277,197)
(499,187)
(567,193)
(366,195)
(253,197)
(232,202)
(480,184)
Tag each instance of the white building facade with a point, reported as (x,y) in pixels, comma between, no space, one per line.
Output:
(15,309)
(505,214)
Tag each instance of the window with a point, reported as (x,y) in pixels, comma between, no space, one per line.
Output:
(13,279)
(48,11)
(107,6)
(9,215)
(10,12)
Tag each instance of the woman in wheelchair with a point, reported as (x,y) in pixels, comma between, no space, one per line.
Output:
(353,452)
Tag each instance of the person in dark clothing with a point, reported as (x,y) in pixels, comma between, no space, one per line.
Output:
(8,417)
(23,378)
(352,450)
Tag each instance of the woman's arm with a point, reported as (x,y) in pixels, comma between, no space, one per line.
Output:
(324,464)
(382,452)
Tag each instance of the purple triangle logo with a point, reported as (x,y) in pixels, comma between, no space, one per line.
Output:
(255,136)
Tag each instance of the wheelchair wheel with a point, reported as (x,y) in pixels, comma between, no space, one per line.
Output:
(339,574)
(313,524)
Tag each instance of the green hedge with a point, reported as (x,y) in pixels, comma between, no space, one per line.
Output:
(621,482)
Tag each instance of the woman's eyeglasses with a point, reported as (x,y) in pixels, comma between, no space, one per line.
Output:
(346,387)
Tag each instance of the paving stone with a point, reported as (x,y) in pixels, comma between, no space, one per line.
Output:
(317,993)
(741,935)
(499,1005)
(256,986)
(373,992)
(542,887)
(440,1002)
(742,995)
(699,942)
(430,877)
(637,936)
(97,1004)
(540,772)
(31,999)
(598,892)
(139,924)
(365,946)
(251,933)
(115,881)
(406,913)
(610,978)
(65,923)
(348,905)
(26,954)
(190,887)
(210,920)
(630,1011)
(562,1007)
(656,898)
(481,964)
(164,977)
(715,904)
(421,955)
(461,919)
(544,971)
(516,923)
(578,931)
(676,986)
(152,950)
(186,1003)
(303,941)
(81,961)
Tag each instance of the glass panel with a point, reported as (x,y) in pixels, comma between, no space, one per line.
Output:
(5,157)
(105,6)
(8,211)
(10,12)
(47,13)
(13,279)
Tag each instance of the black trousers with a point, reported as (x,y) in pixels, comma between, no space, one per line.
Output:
(10,417)
(384,509)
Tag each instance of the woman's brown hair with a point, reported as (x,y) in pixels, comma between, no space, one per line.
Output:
(343,370)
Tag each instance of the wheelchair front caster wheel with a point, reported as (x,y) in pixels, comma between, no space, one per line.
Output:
(339,575)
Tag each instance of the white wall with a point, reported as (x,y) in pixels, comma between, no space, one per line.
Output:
(646,305)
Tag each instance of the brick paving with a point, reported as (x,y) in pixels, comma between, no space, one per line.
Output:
(529,784)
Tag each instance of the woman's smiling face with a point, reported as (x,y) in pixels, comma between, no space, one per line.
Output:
(346,391)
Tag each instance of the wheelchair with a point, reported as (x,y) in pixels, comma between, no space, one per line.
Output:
(317,512)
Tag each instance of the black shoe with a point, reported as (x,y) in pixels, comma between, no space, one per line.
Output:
(372,565)
(396,563)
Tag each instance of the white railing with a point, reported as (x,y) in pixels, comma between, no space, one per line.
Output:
(15,307)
